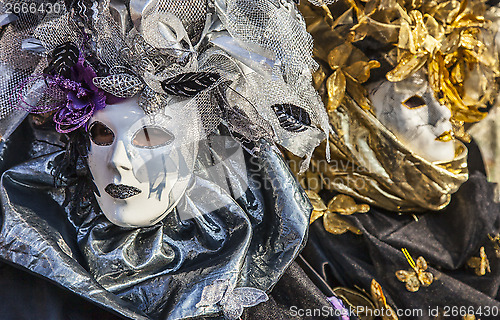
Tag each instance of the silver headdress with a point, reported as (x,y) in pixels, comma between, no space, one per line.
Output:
(245,64)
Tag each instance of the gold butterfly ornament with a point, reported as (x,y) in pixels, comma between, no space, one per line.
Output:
(417,277)
(481,264)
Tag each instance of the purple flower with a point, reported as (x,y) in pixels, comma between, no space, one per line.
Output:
(81,98)
(78,110)
(81,102)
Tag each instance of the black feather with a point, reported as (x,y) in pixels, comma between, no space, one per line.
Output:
(62,59)
(189,84)
(291,117)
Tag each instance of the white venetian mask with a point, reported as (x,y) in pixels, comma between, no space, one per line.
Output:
(141,164)
(410,111)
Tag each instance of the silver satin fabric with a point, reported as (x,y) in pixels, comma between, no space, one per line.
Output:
(159,272)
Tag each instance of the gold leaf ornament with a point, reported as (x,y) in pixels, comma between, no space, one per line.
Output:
(417,277)
(350,69)
(319,77)
(339,55)
(419,32)
(408,64)
(367,305)
(319,206)
(337,207)
(360,70)
(346,205)
(336,224)
(358,94)
(332,219)
(335,85)
(433,27)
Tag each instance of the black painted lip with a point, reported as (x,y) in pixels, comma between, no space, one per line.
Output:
(121,191)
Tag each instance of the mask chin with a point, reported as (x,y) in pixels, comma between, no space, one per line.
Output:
(145,209)
(410,111)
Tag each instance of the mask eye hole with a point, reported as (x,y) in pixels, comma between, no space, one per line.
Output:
(101,134)
(414,102)
(152,137)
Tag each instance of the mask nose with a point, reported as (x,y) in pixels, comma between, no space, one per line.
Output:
(438,113)
(119,158)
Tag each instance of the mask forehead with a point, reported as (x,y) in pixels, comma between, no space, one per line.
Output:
(121,116)
(416,84)
(126,117)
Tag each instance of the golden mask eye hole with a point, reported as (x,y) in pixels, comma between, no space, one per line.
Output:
(414,102)
(152,137)
(100,134)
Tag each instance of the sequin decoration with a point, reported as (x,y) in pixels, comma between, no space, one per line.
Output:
(189,84)
(121,85)
(121,191)
(62,59)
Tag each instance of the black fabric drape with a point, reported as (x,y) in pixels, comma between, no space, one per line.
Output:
(446,239)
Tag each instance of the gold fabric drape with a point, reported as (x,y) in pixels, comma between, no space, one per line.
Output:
(369,163)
